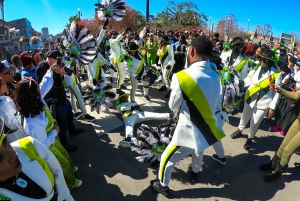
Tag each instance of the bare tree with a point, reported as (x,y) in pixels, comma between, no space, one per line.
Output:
(267,29)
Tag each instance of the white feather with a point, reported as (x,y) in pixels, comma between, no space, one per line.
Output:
(86,39)
(73,29)
(82,33)
(88,45)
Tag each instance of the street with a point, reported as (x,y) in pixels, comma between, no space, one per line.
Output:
(112,173)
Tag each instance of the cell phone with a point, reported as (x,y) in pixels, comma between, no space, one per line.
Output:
(59,61)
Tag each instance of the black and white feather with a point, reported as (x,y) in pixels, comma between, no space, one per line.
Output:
(80,44)
(115,9)
(151,142)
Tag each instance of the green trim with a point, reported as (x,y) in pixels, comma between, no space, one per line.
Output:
(241,64)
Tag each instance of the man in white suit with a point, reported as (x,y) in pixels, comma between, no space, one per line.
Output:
(259,99)
(29,171)
(195,93)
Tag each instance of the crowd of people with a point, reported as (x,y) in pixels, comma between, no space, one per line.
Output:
(204,80)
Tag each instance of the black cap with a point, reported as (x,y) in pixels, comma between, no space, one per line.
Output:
(237,40)
(216,34)
(281,61)
(54,54)
(165,38)
(267,54)
(132,46)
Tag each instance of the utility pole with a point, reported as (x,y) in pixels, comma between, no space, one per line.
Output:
(79,14)
(147,10)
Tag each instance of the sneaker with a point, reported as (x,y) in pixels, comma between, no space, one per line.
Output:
(193,175)
(127,142)
(88,117)
(162,88)
(236,134)
(70,147)
(248,143)
(159,188)
(220,160)
(77,115)
(123,87)
(147,98)
(77,183)
(76,130)
(168,94)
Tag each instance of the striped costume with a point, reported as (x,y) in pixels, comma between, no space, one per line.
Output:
(195,94)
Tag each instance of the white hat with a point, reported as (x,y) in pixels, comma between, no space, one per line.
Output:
(6,64)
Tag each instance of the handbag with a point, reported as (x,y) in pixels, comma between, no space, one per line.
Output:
(295,107)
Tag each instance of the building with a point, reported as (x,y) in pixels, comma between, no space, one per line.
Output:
(24,25)
(45,32)
(52,38)
(7,48)
(15,40)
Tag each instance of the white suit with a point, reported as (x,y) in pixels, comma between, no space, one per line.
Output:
(36,173)
(256,107)
(168,61)
(189,136)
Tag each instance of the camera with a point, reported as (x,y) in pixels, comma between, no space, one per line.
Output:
(68,71)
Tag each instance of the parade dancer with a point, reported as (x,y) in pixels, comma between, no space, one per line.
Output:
(194,95)
(116,58)
(165,58)
(259,99)
(80,47)
(134,64)
(236,61)
(32,173)
(132,116)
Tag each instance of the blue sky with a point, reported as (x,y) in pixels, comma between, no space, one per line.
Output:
(54,14)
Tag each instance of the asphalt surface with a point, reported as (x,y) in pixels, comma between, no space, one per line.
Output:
(112,173)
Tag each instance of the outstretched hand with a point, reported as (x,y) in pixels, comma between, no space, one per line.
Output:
(274,87)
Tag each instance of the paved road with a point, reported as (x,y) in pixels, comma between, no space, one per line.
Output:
(112,173)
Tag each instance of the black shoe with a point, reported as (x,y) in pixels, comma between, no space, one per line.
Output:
(119,91)
(272,177)
(111,80)
(88,117)
(127,142)
(247,145)
(69,147)
(193,175)
(267,167)
(275,175)
(162,88)
(236,134)
(76,130)
(159,188)
(77,115)
(168,94)
(222,161)
(123,87)
(147,98)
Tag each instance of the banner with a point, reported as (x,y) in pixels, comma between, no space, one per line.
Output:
(287,40)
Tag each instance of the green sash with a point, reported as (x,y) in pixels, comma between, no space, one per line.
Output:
(241,64)
(261,85)
(163,52)
(50,123)
(196,100)
(30,151)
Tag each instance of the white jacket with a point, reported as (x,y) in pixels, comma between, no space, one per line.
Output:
(12,119)
(269,100)
(226,56)
(35,172)
(36,126)
(170,58)
(186,133)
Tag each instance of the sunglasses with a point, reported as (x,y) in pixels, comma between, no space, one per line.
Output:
(263,60)
(8,73)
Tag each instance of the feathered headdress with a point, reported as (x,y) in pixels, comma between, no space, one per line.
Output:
(80,44)
(112,9)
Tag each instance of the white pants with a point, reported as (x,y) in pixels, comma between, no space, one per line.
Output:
(145,88)
(171,156)
(165,75)
(122,72)
(141,117)
(75,93)
(255,116)
(134,85)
